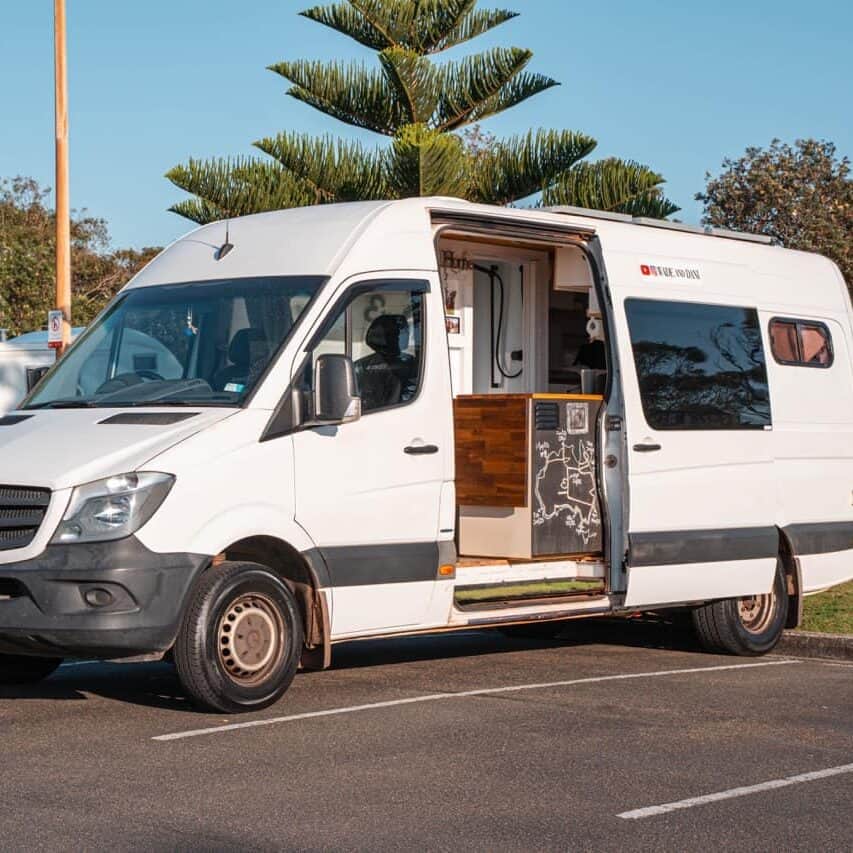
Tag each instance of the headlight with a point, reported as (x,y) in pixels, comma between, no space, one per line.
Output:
(112,508)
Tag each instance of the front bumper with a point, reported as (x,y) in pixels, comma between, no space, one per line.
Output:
(108,599)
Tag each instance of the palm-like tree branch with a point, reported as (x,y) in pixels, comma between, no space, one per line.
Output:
(473,24)
(343,18)
(350,93)
(521,166)
(414,80)
(612,184)
(334,169)
(236,187)
(466,87)
(422,161)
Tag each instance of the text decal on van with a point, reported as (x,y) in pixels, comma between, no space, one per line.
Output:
(685,273)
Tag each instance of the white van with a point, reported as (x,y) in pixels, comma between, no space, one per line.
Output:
(376,419)
(23,361)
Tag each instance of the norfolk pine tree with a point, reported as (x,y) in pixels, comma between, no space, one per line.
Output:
(421,106)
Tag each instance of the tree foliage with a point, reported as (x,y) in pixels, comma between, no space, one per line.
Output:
(801,195)
(27,257)
(426,110)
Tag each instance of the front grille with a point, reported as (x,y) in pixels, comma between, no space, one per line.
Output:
(22,511)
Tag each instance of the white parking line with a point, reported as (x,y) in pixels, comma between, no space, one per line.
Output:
(435,697)
(651,811)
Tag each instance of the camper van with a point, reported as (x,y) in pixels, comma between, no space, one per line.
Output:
(365,420)
(23,361)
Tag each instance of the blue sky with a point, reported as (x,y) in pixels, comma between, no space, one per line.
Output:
(675,85)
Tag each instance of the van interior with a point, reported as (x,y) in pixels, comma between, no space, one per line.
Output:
(529,371)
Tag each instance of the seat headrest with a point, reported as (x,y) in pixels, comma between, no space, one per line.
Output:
(388,335)
(247,346)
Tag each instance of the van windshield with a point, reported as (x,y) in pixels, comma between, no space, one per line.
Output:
(194,344)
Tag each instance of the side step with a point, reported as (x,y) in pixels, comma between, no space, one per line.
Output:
(514,594)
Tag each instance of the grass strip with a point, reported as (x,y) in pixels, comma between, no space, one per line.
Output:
(534,589)
(830,612)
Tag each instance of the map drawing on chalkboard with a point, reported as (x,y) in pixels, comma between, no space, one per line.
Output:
(565,487)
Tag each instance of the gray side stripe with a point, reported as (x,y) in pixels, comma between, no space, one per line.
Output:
(820,538)
(363,565)
(671,548)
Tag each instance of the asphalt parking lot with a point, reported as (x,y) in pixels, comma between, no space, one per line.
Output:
(612,738)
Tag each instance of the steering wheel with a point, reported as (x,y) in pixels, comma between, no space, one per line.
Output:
(148,374)
(126,380)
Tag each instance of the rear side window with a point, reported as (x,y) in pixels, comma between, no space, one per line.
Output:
(804,343)
(700,367)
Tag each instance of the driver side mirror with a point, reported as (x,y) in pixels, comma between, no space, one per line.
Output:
(336,399)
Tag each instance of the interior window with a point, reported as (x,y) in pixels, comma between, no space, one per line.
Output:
(784,341)
(699,366)
(801,342)
(382,332)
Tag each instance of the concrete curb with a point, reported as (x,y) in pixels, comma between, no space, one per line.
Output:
(808,644)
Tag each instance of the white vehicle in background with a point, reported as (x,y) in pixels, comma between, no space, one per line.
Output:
(375,419)
(23,361)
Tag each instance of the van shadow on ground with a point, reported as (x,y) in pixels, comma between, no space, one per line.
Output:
(155,685)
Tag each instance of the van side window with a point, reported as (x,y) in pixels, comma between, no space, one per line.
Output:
(700,367)
(382,332)
(805,343)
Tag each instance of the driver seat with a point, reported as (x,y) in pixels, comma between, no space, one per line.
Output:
(387,376)
(247,352)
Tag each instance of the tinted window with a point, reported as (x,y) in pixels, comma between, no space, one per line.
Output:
(806,343)
(699,366)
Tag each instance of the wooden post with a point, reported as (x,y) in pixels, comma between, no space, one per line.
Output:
(63,223)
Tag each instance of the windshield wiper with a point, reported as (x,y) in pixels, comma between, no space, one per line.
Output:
(66,404)
(153,404)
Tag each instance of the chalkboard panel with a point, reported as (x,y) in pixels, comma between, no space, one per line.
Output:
(566,510)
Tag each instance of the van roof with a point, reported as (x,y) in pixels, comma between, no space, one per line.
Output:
(356,237)
(35,340)
(648,222)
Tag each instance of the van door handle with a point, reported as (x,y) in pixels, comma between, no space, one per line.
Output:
(647,448)
(420,449)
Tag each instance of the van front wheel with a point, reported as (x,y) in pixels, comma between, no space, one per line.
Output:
(241,639)
(751,625)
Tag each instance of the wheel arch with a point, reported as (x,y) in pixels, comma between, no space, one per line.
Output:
(305,576)
(793,578)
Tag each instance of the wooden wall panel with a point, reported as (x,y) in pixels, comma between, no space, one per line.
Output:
(491,450)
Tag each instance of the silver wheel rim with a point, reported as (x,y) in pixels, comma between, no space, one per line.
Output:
(250,638)
(756,612)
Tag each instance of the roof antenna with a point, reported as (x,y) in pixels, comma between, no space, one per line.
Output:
(227,246)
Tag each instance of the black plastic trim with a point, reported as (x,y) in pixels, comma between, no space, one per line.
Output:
(149,418)
(51,616)
(670,548)
(11,420)
(366,565)
(820,538)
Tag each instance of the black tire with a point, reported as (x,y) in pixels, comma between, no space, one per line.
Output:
(534,630)
(745,626)
(23,669)
(224,668)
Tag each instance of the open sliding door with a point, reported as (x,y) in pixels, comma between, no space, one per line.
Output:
(699,424)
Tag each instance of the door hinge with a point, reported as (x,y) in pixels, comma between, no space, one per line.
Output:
(613,423)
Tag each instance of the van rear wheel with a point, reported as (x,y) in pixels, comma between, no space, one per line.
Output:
(23,669)
(241,639)
(751,625)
